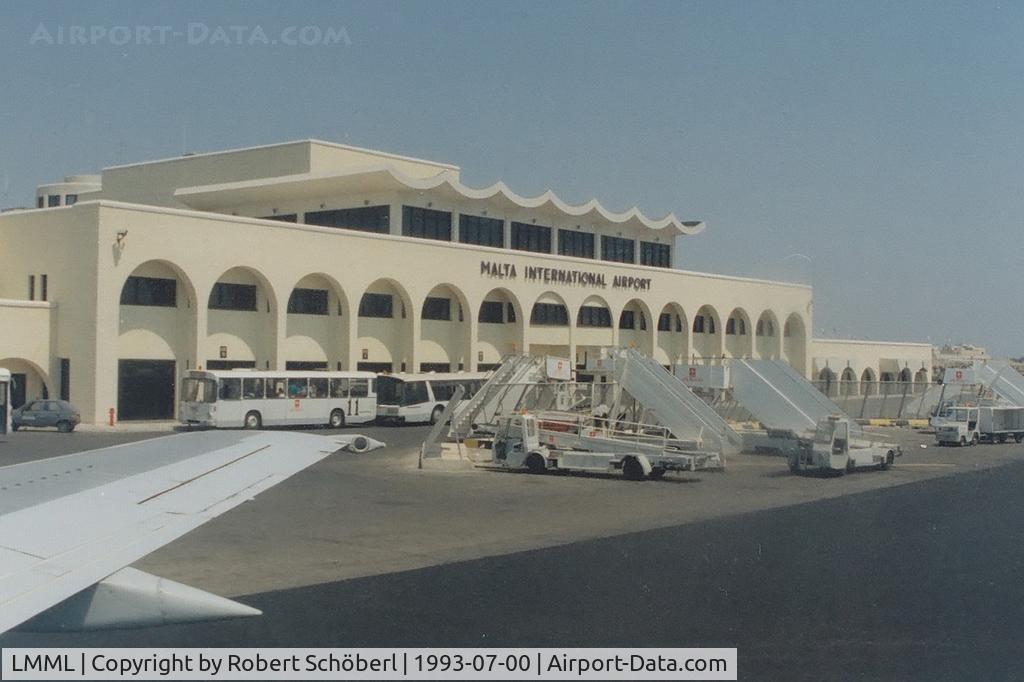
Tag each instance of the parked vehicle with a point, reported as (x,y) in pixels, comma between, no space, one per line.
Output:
(41,413)
(833,450)
(969,425)
(420,398)
(5,402)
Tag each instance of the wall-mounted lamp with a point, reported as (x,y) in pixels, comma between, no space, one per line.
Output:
(121,237)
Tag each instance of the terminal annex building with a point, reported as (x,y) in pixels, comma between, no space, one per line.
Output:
(312,255)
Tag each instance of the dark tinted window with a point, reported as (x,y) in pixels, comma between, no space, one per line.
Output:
(491,312)
(658,255)
(535,238)
(549,314)
(53,200)
(230,389)
(618,249)
(426,223)
(627,320)
(70,199)
(252,389)
(155,291)
(483,231)
(665,322)
(435,308)
(593,316)
(226,296)
(308,302)
(365,218)
(376,305)
(580,244)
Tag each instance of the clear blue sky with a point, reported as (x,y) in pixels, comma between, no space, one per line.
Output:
(881,141)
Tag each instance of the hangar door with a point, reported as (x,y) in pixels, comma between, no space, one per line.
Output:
(145,389)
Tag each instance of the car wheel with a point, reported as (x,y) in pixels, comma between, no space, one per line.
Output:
(632,470)
(253,420)
(64,427)
(535,464)
(337,419)
(435,416)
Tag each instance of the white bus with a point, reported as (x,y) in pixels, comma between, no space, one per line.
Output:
(253,399)
(5,403)
(421,398)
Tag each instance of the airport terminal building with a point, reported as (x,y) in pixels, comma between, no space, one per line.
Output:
(312,255)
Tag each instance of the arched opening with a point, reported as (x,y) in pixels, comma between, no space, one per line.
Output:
(673,336)
(848,382)
(827,382)
(593,329)
(794,342)
(868,385)
(316,327)
(241,326)
(767,344)
(707,334)
(30,382)
(444,331)
(384,331)
(887,383)
(157,318)
(921,380)
(636,326)
(499,328)
(549,326)
(738,339)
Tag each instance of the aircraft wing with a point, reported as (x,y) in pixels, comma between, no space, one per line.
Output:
(69,525)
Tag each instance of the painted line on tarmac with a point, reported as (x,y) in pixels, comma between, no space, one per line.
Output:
(924,464)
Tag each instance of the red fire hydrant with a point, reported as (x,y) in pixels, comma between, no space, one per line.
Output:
(111,416)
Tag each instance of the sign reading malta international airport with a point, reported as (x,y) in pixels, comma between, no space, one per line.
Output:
(567,276)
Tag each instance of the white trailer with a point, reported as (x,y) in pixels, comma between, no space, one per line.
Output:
(969,425)
(517,445)
(834,451)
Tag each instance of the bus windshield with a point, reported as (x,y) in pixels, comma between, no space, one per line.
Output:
(199,390)
(394,391)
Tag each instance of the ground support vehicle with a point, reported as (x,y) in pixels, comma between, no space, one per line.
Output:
(969,425)
(834,451)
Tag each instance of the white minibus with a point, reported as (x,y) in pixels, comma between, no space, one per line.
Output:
(413,398)
(253,399)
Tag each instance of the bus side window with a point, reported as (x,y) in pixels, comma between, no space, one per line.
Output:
(230,389)
(360,388)
(279,388)
(339,388)
(252,389)
(443,390)
(298,388)
(318,388)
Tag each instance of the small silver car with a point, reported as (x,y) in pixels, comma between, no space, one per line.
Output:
(58,413)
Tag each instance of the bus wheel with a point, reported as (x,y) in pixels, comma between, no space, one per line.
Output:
(337,419)
(253,420)
(631,469)
(436,414)
(535,464)
(657,472)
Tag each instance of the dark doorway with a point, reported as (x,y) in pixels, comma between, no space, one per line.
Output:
(17,390)
(145,389)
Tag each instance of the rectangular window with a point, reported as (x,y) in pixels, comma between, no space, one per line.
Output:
(308,302)
(70,199)
(40,201)
(305,365)
(359,388)
(437,308)
(665,322)
(53,200)
(658,255)
(298,388)
(282,217)
(482,231)
(65,379)
(227,296)
(435,367)
(31,287)
(252,389)
(230,364)
(579,244)
(491,312)
(594,316)
(426,223)
(536,238)
(365,218)
(230,389)
(627,320)
(553,314)
(376,305)
(44,288)
(618,249)
(151,291)
(317,387)
(277,387)
(339,388)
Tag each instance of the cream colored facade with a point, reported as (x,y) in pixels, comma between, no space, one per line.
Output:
(195,221)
